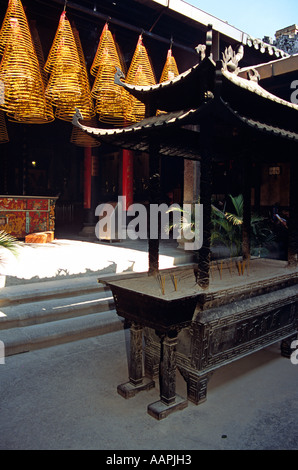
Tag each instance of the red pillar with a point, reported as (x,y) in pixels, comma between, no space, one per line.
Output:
(127,176)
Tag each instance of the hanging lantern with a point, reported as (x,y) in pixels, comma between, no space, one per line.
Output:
(109,96)
(140,72)
(3,129)
(24,99)
(169,72)
(68,87)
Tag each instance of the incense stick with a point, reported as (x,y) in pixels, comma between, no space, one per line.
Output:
(239,268)
(174,280)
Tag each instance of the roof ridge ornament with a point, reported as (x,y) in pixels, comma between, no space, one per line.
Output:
(118,75)
(205,49)
(231,59)
(201,50)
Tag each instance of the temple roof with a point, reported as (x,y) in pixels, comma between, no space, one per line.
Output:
(137,136)
(204,90)
(249,99)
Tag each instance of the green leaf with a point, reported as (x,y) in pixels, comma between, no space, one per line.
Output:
(9,242)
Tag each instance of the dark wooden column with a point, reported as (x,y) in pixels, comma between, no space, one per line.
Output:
(246,169)
(293,213)
(206,133)
(258,181)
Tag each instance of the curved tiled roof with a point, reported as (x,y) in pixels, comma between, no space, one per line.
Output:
(254,87)
(263,47)
(137,136)
(261,126)
(182,92)
(188,98)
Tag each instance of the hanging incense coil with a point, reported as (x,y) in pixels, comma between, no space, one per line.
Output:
(81,138)
(140,72)
(169,72)
(41,61)
(106,43)
(20,71)
(33,113)
(66,110)
(87,104)
(39,50)
(14,10)
(121,58)
(3,129)
(68,86)
(109,96)
(64,83)
(24,90)
(63,41)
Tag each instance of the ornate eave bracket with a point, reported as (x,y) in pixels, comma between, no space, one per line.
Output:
(76,118)
(119,75)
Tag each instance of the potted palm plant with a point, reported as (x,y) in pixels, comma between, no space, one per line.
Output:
(227,229)
(7,243)
(185,225)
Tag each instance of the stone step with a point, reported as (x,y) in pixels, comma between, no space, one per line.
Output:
(54,309)
(41,312)
(29,338)
(44,314)
(30,292)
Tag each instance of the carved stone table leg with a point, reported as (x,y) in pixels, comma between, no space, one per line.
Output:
(152,355)
(285,347)
(169,401)
(136,382)
(197,388)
